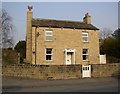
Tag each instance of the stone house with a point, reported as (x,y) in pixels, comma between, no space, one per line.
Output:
(61,42)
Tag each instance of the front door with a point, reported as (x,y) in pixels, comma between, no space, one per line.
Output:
(69,58)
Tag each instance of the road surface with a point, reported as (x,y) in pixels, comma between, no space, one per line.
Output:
(11,84)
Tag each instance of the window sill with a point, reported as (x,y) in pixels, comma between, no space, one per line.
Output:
(49,60)
(48,40)
(85,42)
(85,60)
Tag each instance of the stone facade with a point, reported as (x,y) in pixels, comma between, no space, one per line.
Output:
(64,37)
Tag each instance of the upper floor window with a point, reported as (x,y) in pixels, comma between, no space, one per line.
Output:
(85,54)
(49,35)
(85,37)
(49,54)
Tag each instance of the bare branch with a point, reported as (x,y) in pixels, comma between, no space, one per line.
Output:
(6,33)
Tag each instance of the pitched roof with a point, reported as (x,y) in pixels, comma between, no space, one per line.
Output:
(62,23)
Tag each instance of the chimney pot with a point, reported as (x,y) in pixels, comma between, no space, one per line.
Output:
(30,8)
(86,14)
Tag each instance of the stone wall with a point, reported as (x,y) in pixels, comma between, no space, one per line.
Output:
(58,72)
(105,70)
(43,71)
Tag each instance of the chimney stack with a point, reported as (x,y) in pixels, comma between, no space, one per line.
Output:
(28,36)
(87,19)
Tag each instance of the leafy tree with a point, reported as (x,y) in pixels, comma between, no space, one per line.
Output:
(111,46)
(9,56)
(21,48)
(116,36)
(105,34)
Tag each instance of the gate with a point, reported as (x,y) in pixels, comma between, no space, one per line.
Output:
(86,71)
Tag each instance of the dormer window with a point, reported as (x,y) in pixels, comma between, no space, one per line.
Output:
(48,35)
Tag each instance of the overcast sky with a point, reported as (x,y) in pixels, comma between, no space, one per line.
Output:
(103,15)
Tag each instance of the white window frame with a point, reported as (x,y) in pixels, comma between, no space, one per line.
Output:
(49,54)
(86,36)
(87,54)
(48,31)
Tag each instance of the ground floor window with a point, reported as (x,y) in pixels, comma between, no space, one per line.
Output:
(49,53)
(85,54)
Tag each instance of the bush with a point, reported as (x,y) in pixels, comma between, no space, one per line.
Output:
(9,56)
(111,59)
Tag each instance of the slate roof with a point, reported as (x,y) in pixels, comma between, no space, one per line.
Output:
(62,23)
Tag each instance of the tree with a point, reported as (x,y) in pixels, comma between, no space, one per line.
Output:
(105,33)
(110,46)
(9,56)
(116,36)
(21,48)
(6,33)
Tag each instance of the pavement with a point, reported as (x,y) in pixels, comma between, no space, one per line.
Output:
(107,84)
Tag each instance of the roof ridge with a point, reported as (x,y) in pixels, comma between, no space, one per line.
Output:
(62,23)
(57,20)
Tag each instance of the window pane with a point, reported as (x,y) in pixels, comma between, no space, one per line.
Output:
(85,54)
(48,37)
(48,51)
(88,68)
(84,34)
(85,39)
(48,33)
(85,51)
(48,57)
(83,68)
(85,57)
